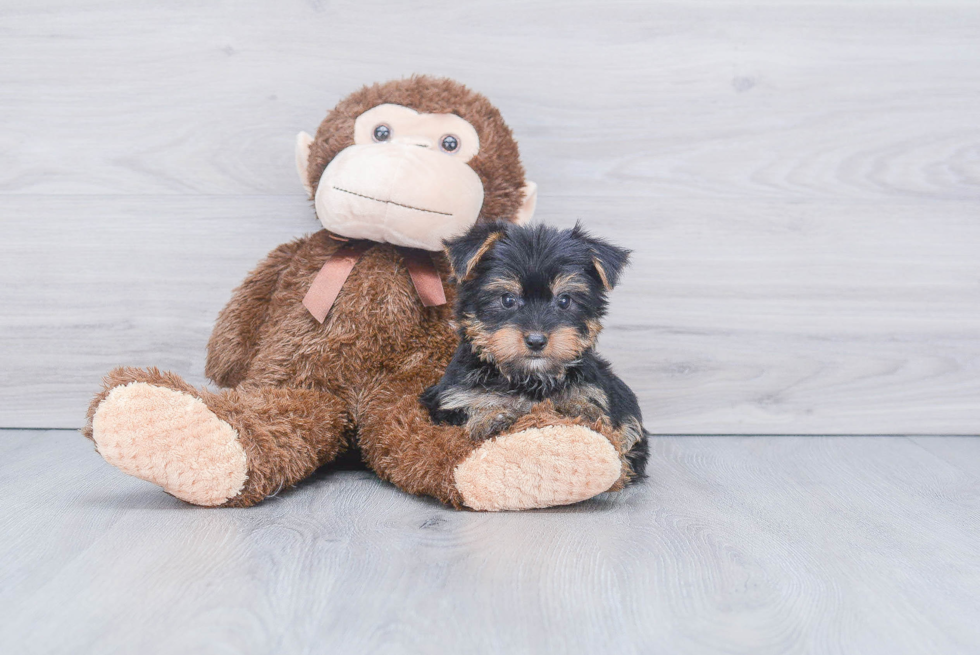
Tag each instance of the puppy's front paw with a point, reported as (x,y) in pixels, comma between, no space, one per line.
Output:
(586,402)
(483,426)
(588,413)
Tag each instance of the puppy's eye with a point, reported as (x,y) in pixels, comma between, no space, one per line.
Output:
(508,301)
(449,143)
(564,301)
(382,133)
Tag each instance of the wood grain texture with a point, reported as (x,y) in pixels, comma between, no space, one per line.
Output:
(755,545)
(864,101)
(844,324)
(799,181)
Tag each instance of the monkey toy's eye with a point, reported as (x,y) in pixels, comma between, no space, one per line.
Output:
(449,143)
(508,301)
(382,133)
(564,301)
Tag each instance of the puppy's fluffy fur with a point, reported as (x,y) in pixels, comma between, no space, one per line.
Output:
(529,305)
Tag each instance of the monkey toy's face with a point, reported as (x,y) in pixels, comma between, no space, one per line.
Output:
(406,180)
(390,173)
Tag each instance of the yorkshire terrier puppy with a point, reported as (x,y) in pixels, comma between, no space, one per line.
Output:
(529,305)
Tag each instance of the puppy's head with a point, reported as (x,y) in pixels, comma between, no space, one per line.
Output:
(530,298)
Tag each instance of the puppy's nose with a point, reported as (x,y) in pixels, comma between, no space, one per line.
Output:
(536,341)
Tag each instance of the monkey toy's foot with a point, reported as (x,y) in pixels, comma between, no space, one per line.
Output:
(538,467)
(172,439)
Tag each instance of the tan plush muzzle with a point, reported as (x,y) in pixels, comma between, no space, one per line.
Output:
(400,193)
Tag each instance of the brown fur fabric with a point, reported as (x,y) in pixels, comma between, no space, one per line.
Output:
(287,433)
(298,392)
(498,163)
(306,391)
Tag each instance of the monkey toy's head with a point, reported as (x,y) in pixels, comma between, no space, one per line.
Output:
(413,162)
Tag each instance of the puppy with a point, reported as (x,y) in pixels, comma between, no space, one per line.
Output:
(529,305)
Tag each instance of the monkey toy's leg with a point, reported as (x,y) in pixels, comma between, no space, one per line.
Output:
(232,448)
(541,461)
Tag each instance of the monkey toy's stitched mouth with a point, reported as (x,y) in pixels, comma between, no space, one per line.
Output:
(391,202)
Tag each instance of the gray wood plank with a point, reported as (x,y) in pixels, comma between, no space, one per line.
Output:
(799,180)
(738,545)
(709,99)
(119,288)
(756,317)
(961,452)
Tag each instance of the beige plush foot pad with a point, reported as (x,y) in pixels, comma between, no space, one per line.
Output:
(538,467)
(172,439)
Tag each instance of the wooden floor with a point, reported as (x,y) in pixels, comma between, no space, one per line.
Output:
(735,544)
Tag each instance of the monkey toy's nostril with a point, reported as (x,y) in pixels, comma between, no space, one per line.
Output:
(536,341)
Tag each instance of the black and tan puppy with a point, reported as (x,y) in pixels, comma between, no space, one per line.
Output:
(529,305)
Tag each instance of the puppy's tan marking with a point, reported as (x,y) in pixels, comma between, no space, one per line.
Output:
(593,328)
(565,344)
(507,344)
(569,283)
(500,347)
(477,334)
(475,259)
(505,285)
(602,274)
(505,347)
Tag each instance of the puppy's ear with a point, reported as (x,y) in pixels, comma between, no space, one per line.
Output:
(608,261)
(465,252)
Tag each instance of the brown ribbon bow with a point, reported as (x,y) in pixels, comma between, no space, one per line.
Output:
(330,280)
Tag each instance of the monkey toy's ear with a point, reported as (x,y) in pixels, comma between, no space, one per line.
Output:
(303,143)
(528,203)
(608,261)
(465,252)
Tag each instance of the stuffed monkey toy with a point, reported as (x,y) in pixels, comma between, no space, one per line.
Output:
(328,343)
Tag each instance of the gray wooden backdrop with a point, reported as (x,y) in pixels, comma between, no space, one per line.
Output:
(800,184)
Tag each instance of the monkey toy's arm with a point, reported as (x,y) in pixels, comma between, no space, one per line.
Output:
(236,333)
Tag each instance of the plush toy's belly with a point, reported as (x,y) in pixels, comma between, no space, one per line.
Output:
(377,328)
